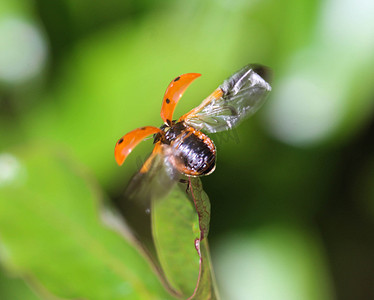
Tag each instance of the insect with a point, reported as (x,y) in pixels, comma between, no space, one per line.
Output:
(181,143)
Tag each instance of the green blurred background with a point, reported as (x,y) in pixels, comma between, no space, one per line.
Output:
(293,193)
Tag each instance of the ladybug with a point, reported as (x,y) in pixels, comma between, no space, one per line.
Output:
(181,143)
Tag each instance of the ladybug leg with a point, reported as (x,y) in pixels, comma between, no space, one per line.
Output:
(185,181)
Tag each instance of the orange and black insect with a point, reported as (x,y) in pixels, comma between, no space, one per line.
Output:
(180,142)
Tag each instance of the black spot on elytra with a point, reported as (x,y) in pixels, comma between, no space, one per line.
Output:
(120,141)
(167,100)
(176,79)
(143,128)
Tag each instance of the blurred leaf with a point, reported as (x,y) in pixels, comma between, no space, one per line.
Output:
(21,7)
(273,262)
(177,220)
(322,82)
(15,289)
(50,232)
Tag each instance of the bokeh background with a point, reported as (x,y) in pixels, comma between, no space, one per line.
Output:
(293,193)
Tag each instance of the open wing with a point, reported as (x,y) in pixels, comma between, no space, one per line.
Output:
(236,99)
(173,93)
(130,140)
(156,177)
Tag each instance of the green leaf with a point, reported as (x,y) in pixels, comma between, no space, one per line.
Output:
(175,230)
(180,222)
(206,285)
(15,289)
(51,234)
(202,205)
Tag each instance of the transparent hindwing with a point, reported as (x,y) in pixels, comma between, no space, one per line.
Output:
(236,99)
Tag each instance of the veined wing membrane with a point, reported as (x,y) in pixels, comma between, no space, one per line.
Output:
(146,186)
(236,99)
(154,180)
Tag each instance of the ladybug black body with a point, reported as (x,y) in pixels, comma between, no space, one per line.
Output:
(191,151)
